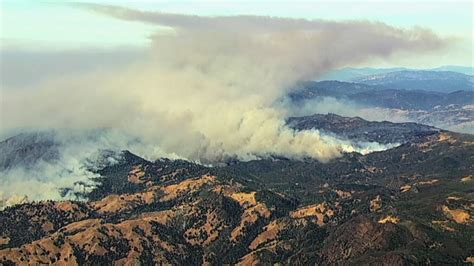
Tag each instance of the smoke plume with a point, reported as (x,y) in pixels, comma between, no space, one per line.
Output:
(207,88)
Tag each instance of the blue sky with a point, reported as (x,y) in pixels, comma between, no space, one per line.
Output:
(54,25)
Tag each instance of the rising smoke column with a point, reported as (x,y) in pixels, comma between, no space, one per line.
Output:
(208,87)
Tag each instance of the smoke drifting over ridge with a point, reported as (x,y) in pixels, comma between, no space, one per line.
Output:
(207,89)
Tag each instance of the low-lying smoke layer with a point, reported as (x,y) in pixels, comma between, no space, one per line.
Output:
(59,159)
(207,89)
(62,164)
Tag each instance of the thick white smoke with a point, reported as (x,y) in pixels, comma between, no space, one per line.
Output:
(208,88)
(79,154)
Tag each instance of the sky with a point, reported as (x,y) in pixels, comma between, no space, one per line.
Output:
(51,26)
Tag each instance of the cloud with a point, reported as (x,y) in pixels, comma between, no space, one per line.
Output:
(208,89)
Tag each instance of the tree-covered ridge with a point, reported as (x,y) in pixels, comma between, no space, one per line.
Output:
(410,204)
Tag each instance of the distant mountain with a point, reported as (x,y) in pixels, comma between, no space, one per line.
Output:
(378,95)
(459,69)
(356,128)
(327,88)
(440,81)
(452,111)
(411,99)
(348,74)
(26,149)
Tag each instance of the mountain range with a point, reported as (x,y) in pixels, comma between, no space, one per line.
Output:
(374,95)
(411,204)
(350,73)
(441,81)
(438,98)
